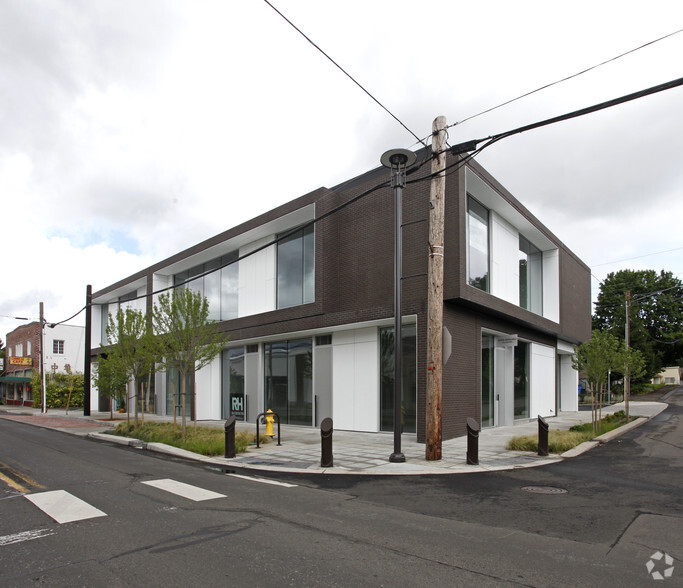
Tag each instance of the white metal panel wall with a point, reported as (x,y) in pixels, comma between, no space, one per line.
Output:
(355,380)
(208,388)
(551,285)
(569,385)
(504,259)
(542,381)
(257,279)
(96,326)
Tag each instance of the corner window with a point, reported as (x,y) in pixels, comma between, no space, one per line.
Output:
(530,276)
(58,347)
(296,268)
(477,245)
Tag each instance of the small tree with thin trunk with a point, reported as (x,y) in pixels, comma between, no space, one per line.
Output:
(110,379)
(189,341)
(133,348)
(633,364)
(595,358)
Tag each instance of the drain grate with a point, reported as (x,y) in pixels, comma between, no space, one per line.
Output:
(544,490)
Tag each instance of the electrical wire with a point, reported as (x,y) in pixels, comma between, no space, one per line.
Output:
(566,78)
(347,74)
(576,113)
(637,257)
(461,161)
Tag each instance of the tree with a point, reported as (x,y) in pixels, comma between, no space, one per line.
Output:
(111,380)
(632,363)
(189,341)
(595,358)
(133,348)
(656,315)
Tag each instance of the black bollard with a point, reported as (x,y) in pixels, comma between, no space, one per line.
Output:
(230,437)
(326,459)
(472,441)
(543,428)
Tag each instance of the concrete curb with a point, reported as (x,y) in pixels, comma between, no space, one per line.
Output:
(610,435)
(614,433)
(389,469)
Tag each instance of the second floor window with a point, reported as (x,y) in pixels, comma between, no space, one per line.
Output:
(296,268)
(530,276)
(58,347)
(477,245)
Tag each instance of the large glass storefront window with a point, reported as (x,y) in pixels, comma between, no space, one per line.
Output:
(288,367)
(232,385)
(146,394)
(174,393)
(487,381)
(477,245)
(296,268)
(521,380)
(409,379)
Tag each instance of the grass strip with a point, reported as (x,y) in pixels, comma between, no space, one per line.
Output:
(205,440)
(561,441)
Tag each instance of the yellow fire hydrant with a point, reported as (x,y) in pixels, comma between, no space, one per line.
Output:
(269,423)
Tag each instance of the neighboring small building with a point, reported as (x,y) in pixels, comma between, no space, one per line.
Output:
(305,293)
(64,351)
(669,375)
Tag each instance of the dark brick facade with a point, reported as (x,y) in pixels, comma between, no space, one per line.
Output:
(21,335)
(354,281)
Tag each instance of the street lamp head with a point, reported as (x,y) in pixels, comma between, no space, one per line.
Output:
(395,158)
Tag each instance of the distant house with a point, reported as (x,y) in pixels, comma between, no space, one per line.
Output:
(64,350)
(305,293)
(669,375)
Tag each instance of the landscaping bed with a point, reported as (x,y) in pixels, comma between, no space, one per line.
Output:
(204,441)
(561,441)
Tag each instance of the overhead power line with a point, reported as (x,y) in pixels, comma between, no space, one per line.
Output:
(638,257)
(577,74)
(347,74)
(470,145)
(460,149)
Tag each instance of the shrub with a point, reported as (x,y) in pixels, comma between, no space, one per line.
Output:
(57,390)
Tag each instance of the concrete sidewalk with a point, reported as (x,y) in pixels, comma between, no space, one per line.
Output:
(354,453)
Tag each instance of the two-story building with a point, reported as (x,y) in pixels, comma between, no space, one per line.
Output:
(305,293)
(64,351)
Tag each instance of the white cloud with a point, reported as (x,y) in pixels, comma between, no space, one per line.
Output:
(134,129)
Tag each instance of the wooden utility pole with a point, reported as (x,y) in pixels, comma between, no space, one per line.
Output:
(435,291)
(43,388)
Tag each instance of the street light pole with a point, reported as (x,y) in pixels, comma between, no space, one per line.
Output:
(398,161)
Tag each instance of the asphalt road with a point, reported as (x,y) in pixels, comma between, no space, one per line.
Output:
(622,504)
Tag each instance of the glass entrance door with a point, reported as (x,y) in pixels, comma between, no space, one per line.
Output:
(288,367)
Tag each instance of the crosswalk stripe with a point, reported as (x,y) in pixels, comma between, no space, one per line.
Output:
(264,481)
(64,507)
(185,490)
(25,536)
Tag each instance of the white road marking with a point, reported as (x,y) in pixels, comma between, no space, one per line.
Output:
(184,490)
(273,482)
(25,536)
(64,507)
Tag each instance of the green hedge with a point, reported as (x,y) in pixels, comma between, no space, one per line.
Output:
(57,392)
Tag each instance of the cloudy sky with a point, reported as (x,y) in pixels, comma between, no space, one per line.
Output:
(131,129)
